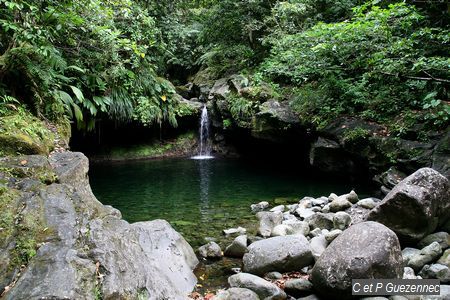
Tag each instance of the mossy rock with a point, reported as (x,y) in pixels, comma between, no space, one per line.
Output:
(20,143)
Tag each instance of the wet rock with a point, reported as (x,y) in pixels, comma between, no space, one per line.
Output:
(443,238)
(330,236)
(365,250)
(236,294)
(422,197)
(238,247)
(210,250)
(318,246)
(436,271)
(282,254)
(341,220)
(428,254)
(259,206)
(320,220)
(298,287)
(267,221)
(263,288)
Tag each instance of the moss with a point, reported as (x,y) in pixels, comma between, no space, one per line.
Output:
(8,203)
(22,133)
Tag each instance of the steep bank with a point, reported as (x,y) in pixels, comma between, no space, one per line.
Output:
(58,241)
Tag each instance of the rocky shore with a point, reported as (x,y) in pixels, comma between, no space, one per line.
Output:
(314,248)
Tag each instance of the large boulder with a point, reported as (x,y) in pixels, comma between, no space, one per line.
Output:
(416,206)
(282,254)
(365,250)
(263,288)
(89,249)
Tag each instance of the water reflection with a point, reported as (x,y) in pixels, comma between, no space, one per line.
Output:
(204,168)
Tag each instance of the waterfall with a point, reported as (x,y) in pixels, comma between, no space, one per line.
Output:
(205,146)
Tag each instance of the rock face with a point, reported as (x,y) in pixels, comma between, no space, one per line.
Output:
(263,288)
(365,250)
(423,197)
(91,248)
(282,254)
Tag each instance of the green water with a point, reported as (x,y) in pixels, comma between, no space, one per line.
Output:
(200,198)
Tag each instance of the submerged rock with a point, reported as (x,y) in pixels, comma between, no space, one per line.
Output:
(365,250)
(416,206)
(263,288)
(282,254)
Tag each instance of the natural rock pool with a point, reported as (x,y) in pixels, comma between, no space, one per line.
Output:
(200,198)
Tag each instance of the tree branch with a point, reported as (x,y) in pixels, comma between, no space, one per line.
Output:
(431,78)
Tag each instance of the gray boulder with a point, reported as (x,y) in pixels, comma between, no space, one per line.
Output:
(341,220)
(88,241)
(298,287)
(236,294)
(281,230)
(428,254)
(267,221)
(436,271)
(365,250)
(443,238)
(263,288)
(320,220)
(331,235)
(339,204)
(238,247)
(297,227)
(282,254)
(367,203)
(422,197)
(304,213)
(238,230)
(408,273)
(278,208)
(210,250)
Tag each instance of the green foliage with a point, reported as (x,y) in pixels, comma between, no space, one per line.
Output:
(241,110)
(381,62)
(356,134)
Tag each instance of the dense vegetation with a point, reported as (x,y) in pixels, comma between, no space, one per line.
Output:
(85,60)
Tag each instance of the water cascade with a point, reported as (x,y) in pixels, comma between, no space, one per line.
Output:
(205,146)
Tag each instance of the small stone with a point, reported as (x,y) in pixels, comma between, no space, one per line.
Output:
(210,250)
(236,270)
(304,213)
(236,293)
(320,220)
(367,203)
(238,247)
(352,197)
(315,232)
(408,273)
(443,238)
(339,204)
(264,289)
(298,287)
(426,255)
(281,230)
(318,245)
(292,208)
(445,258)
(341,220)
(326,209)
(436,271)
(239,230)
(306,202)
(259,206)
(320,201)
(330,236)
(274,275)
(407,253)
(288,216)
(279,208)
(297,226)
